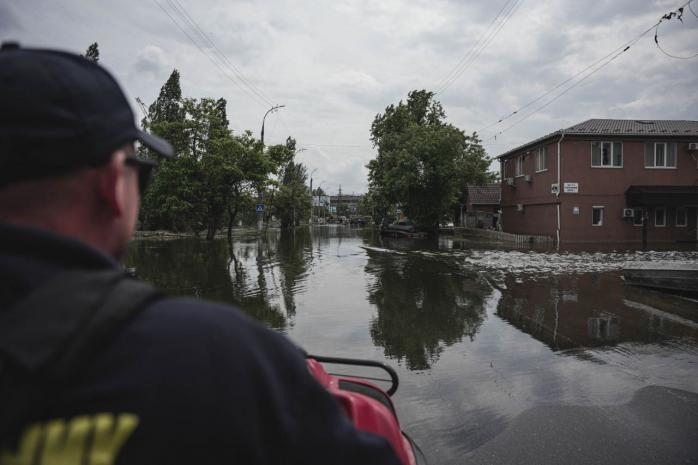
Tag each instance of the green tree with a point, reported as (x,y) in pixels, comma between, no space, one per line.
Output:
(174,199)
(92,53)
(215,174)
(292,203)
(422,160)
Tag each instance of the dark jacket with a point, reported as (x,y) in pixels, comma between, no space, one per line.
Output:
(184,382)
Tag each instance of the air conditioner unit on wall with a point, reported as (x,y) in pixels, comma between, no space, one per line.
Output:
(509,181)
(554,188)
(693,146)
(528,178)
(628,213)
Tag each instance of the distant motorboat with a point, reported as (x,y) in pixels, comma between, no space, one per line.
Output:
(401,228)
(666,275)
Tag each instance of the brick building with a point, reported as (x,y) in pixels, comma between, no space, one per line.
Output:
(481,209)
(605,181)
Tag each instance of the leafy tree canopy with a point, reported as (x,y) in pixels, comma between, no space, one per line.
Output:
(423,162)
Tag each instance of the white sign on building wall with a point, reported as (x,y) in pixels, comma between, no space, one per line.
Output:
(571,188)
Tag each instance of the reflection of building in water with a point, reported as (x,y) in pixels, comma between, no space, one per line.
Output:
(605,327)
(591,310)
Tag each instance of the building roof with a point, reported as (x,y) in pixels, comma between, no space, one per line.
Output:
(489,194)
(621,127)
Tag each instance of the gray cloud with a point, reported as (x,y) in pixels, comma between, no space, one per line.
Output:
(337,64)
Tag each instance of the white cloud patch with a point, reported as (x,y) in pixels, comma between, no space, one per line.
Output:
(151,60)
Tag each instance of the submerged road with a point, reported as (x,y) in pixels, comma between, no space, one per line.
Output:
(505,356)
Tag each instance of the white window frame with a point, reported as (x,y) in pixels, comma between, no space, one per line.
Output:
(520,171)
(657,209)
(597,207)
(612,143)
(542,154)
(685,217)
(664,166)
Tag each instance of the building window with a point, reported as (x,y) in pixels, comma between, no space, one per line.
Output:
(542,158)
(681,217)
(638,214)
(660,155)
(520,165)
(660,217)
(597,216)
(607,154)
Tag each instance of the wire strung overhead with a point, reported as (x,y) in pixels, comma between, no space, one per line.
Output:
(589,70)
(504,14)
(224,66)
(678,14)
(176,4)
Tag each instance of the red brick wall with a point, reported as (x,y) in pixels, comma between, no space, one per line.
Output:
(606,187)
(540,212)
(597,187)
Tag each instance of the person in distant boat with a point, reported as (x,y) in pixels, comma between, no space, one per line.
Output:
(97,367)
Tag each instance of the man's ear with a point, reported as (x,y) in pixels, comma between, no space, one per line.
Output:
(111,184)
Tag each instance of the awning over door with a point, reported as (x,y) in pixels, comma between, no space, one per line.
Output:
(649,196)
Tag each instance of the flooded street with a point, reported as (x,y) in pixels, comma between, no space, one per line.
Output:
(477,335)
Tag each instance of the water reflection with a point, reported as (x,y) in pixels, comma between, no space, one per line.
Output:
(423,305)
(560,328)
(592,310)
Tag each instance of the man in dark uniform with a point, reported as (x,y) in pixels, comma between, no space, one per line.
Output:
(95,367)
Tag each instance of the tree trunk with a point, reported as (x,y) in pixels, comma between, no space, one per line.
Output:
(211,229)
(232,213)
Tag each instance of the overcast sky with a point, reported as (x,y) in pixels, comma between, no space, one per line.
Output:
(336,64)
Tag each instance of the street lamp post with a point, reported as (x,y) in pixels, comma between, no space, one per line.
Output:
(260,214)
(271,110)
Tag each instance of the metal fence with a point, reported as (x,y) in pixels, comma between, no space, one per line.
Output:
(500,236)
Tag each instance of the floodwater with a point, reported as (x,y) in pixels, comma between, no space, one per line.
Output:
(478,335)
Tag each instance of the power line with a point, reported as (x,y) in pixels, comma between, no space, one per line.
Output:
(691,8)
(467,55)
(558,95)
(668,17)
(207,40)
(552,89)
(196,44)
(481,45)
(615,54)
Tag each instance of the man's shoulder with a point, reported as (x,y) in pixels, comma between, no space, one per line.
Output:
(202,321)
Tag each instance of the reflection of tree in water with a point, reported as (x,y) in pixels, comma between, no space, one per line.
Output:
(254,300)
(294,255)
(210,270)
(182,267)
(423,305)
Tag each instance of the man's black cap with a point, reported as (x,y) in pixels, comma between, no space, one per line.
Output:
(60,112)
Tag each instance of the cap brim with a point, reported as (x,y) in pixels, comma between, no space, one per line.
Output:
(156,143)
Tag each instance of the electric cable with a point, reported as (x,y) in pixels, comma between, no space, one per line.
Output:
(472,49)
(222,70)
(656,36)
(175,4)
(558,95)
(625,47)
(478,49)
